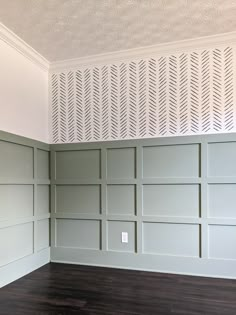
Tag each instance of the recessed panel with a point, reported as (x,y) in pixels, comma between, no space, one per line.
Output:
(121,199)
(171,200)
(42,234)
(78,233)
(221,160)
(43,200)
(115,229)
(171,161)
(16,201)
(43,164)
(16,242)
(222,200)
(171,239)
(16,161)
(121,163)
(78,199)
(222,240)
(83,164)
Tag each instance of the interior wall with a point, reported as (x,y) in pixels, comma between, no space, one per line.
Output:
(23,95)
(174,197)
(24,206)
(177,93)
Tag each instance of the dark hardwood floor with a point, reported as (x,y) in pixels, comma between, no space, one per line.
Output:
(71,289)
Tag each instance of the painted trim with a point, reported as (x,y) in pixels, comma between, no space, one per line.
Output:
(160,49)
(214,268)
(23,48)
(27,51)
(168,140)
(23,266)
(11,137)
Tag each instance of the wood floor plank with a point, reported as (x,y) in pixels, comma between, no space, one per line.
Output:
(72,289)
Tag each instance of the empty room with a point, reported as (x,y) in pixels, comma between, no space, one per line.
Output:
(118,157)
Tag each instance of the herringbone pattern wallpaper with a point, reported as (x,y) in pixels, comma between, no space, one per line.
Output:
(179,94)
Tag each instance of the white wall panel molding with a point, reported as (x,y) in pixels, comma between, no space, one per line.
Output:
(22,47)
(186,91)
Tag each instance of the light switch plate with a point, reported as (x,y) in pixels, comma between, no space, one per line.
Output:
(124,237)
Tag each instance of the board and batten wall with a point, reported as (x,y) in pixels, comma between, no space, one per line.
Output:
(176,198)
(24,206)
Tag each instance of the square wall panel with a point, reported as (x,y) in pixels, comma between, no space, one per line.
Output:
(121,163)
(222,240)
(222,200)
(221,159)
(171,200)
(82,164)
(171,161)
(43,171)
(115,229)
(121,199)
(42,234)
(16,242)
(78,199)
(43,199)
(16,201)
(83,234)
(171,239)
(16,161)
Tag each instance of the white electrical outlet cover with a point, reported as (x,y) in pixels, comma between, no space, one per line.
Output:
(124,237)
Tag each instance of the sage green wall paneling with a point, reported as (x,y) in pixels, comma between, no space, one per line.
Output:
(174,196)
(78,233)
(43,170)
(24,199)
(171,161)
(84,164)
(121,163)
(171,200)
(15,242)
(42,234)
(222,200)
(16,161)
(121,199)
(16,201)
(222,157)
(222,240)
(78,199)
(43,199)
(115,229)
(171,239)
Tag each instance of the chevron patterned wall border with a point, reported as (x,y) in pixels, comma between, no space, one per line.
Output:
(182,93)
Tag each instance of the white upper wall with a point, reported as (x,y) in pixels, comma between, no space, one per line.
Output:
(23,95)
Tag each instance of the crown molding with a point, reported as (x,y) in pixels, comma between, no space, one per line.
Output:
(27,51)
(160,49)
(23,48)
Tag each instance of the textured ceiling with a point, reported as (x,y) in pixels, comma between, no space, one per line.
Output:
(65,29)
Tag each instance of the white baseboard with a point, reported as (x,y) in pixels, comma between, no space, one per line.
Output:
(22,267)
(215,268)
